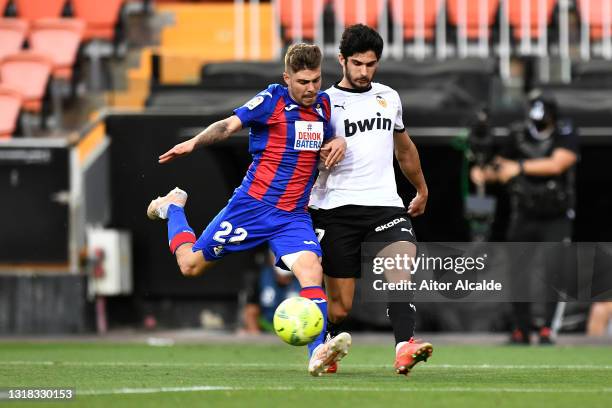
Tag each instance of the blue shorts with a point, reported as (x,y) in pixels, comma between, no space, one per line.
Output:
(246,222)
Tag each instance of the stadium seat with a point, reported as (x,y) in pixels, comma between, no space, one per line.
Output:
(101,17)
(515,18)
(373,8)
(595,17)
(10,105)
(430,12)
(59,39)
(12,35)
(31,10)
(28,72)
(3,4)
(472,15)
(310,17)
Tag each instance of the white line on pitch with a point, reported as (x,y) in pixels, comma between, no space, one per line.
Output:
(347,364)
(342,389)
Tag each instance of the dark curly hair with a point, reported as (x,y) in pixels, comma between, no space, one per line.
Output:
(360,38)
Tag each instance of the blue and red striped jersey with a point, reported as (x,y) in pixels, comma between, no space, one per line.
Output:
(284,141)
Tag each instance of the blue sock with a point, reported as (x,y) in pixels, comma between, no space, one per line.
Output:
(179,232)
(317,295)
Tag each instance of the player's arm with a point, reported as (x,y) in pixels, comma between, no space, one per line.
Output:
(332,151)
(410,164)
(214,133)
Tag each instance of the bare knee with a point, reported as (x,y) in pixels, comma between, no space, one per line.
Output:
(189,269)
(307,269)
(190,263)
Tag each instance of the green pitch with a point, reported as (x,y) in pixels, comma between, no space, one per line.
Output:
(131,375)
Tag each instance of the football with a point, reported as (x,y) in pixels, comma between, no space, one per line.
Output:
(298,321)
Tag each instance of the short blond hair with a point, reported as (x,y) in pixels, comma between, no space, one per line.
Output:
(302,56)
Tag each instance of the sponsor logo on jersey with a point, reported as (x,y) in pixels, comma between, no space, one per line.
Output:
(255,102)
(340,106)
(310,242)
(390,224)
(290,107)
(218,249)
(308,135)
(366,125)
(381,101)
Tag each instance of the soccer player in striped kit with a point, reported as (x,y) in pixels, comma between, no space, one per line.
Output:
(288,127)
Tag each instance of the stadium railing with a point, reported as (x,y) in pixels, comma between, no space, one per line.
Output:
(595,23)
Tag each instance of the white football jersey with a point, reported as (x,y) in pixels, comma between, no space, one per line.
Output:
(367,119)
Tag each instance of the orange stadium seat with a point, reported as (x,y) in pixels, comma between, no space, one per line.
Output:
(35,9)
(12,35)
(595,18)
(373,8)
(100,17)
(59,39)
(310,17)
(29,73)
(514,16)
(10,105)
(472,23)
(409,18)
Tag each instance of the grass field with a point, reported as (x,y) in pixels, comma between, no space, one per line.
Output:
(133,375)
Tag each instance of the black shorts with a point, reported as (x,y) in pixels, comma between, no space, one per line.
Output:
(342,230)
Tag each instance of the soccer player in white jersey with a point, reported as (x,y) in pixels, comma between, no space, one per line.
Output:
(356,201)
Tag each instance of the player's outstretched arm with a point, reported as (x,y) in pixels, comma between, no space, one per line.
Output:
(214,133)
(410,164)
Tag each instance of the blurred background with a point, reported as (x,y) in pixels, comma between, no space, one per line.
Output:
(91,92)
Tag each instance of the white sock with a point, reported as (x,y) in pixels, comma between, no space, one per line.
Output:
(399,345)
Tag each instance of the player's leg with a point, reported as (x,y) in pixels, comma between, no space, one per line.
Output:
(180,235)
(306,267)
(296,244)
(599,318)
(401,311)
(340,231)
(340,292)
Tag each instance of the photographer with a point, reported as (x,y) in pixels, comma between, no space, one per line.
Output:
(537,167)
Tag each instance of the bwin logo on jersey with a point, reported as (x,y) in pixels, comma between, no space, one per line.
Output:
(389,224)
(350,128)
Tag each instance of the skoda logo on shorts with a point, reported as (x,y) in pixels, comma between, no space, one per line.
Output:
(390,224)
